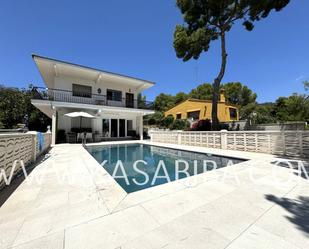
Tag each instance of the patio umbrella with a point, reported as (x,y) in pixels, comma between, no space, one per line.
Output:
(79,114)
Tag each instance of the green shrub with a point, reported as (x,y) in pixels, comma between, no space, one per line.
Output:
(151,121)
(180,124)
(167,121)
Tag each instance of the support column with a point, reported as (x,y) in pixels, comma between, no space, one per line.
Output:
(141,127)
(54,127)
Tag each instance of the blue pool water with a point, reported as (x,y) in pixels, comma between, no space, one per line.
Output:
(152,165)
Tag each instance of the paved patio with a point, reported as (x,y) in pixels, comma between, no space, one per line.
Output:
(224,208)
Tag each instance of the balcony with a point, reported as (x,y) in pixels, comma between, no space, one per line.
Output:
(87,98)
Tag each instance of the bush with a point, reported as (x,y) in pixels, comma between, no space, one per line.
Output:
(180,124)
(201,125)
(151,121)
(227,127)
(167,121)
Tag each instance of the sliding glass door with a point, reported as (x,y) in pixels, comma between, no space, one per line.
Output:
(122,127)
(117,128)
(105,127)
(114,127)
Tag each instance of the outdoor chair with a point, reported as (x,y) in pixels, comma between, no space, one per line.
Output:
(89,137)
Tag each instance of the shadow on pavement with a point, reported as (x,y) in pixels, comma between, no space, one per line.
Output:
(7,191)
(299,167)
(298,208)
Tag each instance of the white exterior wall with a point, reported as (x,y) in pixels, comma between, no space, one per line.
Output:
(66,123)
(66,83)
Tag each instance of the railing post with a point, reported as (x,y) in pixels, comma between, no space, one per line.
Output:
(269,143)
(245,141)
(223,139)
(34,152)
(256,142)
(179,137)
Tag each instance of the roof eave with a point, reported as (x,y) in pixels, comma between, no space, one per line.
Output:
(34,56)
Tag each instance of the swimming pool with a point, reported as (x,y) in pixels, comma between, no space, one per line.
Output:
(132,164)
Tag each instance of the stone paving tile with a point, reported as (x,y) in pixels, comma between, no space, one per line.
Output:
(257,238)
(52,241)
(9,231)
(111,230)
(172,235)
(288,219)
(38,225)
(174,205)
(149,194)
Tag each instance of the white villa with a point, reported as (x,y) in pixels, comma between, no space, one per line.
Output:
(111,98)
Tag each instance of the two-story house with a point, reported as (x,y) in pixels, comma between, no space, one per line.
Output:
(111,98)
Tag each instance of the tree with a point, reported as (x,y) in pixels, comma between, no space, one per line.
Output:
(154,119)
(298,107)
(12,107)
(141,101)
(180,97)
(163,102)
(208,20)
(239,94)
(245,112)
(264,114)
(280,109)
(15,104)
(203,91)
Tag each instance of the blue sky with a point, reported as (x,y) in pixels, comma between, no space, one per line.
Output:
(135,38)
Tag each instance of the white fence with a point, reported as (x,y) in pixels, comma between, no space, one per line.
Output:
(20,146)
(284,143)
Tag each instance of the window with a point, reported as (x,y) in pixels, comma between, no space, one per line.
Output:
(233,113)
(129,125)
(194,115)
(130,131)
(114,95)
(81,91)
(178,116)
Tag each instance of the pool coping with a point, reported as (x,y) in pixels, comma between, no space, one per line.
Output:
(117,198)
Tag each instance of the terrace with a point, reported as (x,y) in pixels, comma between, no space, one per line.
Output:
(81,97)
(226,208)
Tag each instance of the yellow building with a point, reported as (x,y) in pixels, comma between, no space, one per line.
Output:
(196,109)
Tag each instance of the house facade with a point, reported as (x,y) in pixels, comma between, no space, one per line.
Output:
(112,99)
(196,109)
